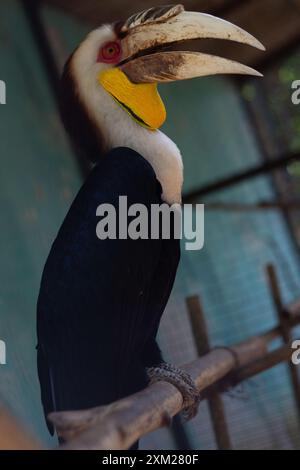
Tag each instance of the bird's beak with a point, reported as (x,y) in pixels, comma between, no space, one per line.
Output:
(146,62)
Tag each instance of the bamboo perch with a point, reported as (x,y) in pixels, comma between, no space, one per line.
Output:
(254,368)
(215,401)
(272,359)
(285,330)
(118,425)
(293,309)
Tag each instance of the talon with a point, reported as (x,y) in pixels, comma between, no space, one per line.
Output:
(183,382)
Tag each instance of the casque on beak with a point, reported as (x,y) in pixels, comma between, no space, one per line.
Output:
(146,62)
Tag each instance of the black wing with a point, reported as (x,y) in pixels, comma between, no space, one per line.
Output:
(100,302)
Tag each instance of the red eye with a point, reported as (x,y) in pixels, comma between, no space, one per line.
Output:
(110,53)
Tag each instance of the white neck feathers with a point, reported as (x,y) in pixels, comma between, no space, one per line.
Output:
(119,130)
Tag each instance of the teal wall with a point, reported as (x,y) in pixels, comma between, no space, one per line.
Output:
(216,139)
(38,181)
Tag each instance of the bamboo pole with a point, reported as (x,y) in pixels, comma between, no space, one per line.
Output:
(215,402)
(285,330)
(254,368)
(272,359)
(293,309)
(119,425)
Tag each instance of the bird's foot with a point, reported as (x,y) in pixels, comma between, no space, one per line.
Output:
(182,381)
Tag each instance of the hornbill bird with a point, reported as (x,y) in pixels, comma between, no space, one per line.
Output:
(101,301)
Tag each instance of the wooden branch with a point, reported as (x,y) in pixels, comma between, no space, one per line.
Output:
(241,176)
(293,309)
(241,374)
(261,365)
(12,435)
(285,330)
(119,425)
(215,401)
